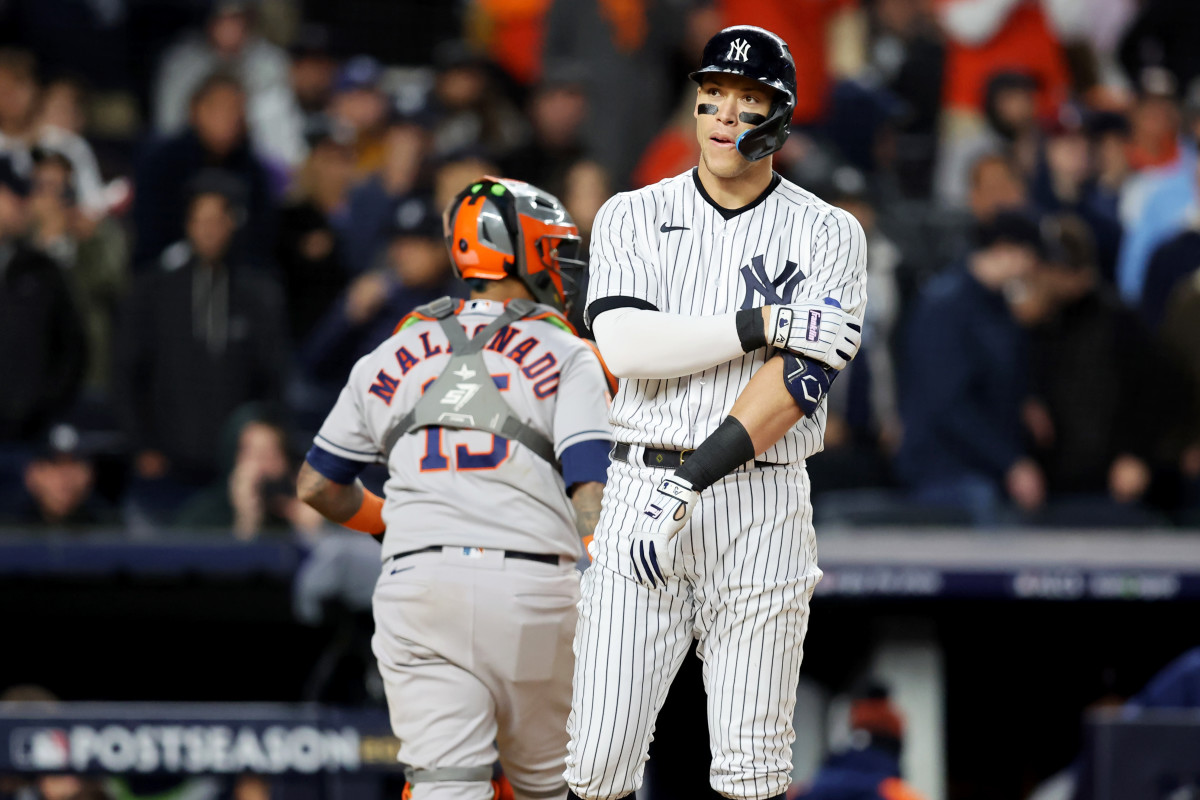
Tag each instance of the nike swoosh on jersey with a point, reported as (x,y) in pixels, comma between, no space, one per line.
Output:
(668,228)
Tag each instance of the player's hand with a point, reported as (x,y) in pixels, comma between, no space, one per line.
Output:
(1128,478)
(366,296)
(820,331)
(1026,485)
(668,511)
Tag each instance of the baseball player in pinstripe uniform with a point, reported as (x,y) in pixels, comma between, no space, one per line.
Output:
(491,416)
(725,299)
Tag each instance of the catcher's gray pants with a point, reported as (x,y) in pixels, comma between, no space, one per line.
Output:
(475,653)
(746,567)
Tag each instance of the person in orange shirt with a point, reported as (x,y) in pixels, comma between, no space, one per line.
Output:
(989,36)
(808,28)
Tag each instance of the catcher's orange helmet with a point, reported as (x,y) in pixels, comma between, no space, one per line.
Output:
(500,228)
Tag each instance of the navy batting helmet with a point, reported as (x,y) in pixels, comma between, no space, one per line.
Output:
(760,55)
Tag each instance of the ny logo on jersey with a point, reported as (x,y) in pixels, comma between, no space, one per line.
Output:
(775,291)
(739,50)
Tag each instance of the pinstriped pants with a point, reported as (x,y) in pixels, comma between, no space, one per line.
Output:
(745,569)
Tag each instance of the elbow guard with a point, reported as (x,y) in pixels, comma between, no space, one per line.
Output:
(807,381)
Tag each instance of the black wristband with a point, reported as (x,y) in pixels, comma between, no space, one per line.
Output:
(726,449)
(750,329)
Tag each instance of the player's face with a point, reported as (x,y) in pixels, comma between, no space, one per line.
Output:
(721,102)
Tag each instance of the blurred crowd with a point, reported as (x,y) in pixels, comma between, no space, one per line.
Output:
(209,209)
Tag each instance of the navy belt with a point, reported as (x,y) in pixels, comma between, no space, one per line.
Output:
(666,459)
(541,558)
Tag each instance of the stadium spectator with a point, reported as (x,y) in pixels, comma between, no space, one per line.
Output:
(1065,184)
(1154,128)
(585,188)
(556,109)
(43,351)
(1108,133)
(1010,129)
(197,339)
(229,43)
(216,139)
(1095,434)
(375,201)
(984,37)
(472,112)
(456,172)
(18,97)
(963,380)
(907,56)
(360,104)
(674,148)
(1180,334)
(92,253)
(312,73)
(867,767)
(60,483)
(1172,263)
(862,428)
(417,271)
(995,185)
(1155,204)
(513,36)
(59,128)
(1163,34)
(310,250)
(826,38)
(257,488)
(627,46)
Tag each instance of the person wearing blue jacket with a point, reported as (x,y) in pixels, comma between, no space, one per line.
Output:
(963,380)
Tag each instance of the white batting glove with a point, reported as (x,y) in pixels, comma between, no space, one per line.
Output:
(668,511)
(819,331)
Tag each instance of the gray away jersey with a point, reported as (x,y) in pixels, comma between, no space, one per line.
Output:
(467,487)
(667,247)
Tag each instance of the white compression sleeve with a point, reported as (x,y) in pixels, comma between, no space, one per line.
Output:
(637,343)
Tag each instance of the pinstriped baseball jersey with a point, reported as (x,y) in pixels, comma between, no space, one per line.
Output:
(669,248)
(745,563)
(502,495)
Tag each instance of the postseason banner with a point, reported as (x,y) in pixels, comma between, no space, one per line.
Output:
(193,739)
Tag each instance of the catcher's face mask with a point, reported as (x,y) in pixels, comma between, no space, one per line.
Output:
(500,228)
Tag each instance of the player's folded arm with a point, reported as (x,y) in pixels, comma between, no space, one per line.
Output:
(641,342)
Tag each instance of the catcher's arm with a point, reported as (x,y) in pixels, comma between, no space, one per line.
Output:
(586,499)
(350,505)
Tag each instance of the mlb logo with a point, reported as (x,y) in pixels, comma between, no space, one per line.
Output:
(472,552)
(40,748)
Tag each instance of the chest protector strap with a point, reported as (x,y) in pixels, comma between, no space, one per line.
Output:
(464,396)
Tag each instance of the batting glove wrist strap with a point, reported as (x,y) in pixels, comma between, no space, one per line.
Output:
(807,381)
(750,329)
(820,331)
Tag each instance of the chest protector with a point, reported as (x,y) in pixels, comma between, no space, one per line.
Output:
(464,396)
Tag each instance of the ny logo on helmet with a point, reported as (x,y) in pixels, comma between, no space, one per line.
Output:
(739,50)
